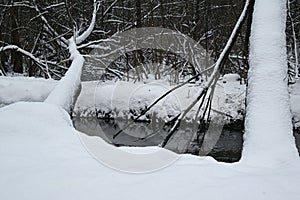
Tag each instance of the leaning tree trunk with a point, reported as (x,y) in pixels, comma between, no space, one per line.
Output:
(268,135)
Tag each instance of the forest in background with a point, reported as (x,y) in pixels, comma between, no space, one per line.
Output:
(38,29)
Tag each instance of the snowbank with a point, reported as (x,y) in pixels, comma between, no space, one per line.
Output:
(123,98)
(231,78)
(14,89)
(43,158)
(120,97)
(29,89)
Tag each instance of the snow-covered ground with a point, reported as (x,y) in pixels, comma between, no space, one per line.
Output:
(118,98)
(14,89)
(42,157)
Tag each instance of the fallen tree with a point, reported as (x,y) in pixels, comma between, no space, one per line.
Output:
(208,87)
(268,134)
(68,88)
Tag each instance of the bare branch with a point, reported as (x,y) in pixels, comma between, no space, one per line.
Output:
(214,75)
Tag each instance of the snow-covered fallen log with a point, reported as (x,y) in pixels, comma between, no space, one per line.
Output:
(268,130)
(68,88)
(66,92)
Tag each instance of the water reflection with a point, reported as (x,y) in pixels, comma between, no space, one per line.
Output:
(228,148)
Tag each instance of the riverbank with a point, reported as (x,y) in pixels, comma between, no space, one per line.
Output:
(42,157)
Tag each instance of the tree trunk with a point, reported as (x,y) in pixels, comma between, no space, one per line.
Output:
(16,57)
(268,135)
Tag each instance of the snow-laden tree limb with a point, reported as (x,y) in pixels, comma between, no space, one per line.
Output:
(65,93)
(41,63)
(89,30)
(49,28)
(214,75)
(160,98)
(55,5)
(91,44)
(294,40)
(79,39)
(40,15)
(67,90)
(269,140)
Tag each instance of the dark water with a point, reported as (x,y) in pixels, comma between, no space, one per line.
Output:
(227,148)
(297,139)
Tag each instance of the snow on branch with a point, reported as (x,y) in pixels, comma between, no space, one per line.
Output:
(210,82)
(91,27)
(213,77)
(18,4)
(49,28)
(295,48)
(89,30)
(65,93)
(28,54)
(40,15)
(91,43)
(55,5)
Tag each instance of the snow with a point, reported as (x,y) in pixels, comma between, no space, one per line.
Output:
(295,102)
(42,157)
(65,93)
(117,98)
(268,134)
(28,54)
(14,89)
(89,30)
(231,78)
(235,94)
(122,96)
